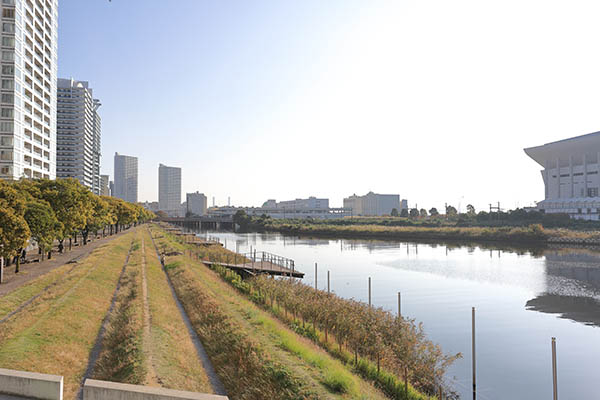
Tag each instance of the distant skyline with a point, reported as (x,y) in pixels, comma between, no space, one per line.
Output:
(257,100)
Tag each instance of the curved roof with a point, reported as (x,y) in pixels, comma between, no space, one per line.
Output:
(575,146)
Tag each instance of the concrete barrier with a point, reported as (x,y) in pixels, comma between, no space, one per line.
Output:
(31,385)
(103,390)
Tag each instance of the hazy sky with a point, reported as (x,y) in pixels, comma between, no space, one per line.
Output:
(434,100)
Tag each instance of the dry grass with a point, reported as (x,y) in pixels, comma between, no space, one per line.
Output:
(56,334)
(302,360)
(174,355)
(121,358)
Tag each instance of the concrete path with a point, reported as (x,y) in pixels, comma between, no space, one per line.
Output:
(30,271)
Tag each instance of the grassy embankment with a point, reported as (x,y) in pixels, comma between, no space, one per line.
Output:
(55,333)
(318,372)
(174,359)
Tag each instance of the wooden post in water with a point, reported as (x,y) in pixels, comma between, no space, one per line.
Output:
(315,276)
(328,286)
(554,372)
(399,306)
(473,351)
(369,291)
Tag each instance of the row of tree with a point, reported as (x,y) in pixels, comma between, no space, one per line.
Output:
(45,210)
(373,333)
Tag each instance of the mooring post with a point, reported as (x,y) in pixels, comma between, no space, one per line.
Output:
(328,286)
(315,276)
(369,291)
(473,351)
(554,372)
(399,306)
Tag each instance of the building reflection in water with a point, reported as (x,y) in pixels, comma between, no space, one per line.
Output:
(573,282)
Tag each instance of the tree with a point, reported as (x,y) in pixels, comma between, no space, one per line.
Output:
(100,217)
(423,212)
(414,213)
(14,231)
(394,212)
(434,212)
(470,210)
(70,202)
(450,211)
(42,223)
(404,213)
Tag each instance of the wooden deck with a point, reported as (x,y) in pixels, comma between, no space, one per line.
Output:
(258,267)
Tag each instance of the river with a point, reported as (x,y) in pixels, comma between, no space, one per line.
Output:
(522,299)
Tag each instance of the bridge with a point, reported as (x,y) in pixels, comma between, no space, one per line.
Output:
(201,222)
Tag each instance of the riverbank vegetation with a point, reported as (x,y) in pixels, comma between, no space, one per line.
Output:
(370,342)
(255,354)
(43,211)
(399,228)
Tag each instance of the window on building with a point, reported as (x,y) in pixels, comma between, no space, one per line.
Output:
(8,70)
(5,170)
(8,56)
(8,41)
(6,141)
(8,84)
(8,27)
(579,211)
(8,98)
(7,113)
(7,126)
(592,192)
(8,13)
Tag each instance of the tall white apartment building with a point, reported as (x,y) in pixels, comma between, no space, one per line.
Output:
(126,178)
(169,190)
(571,174)
(78,134)
(196,203)
(28,60)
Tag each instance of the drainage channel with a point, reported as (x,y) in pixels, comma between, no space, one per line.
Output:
(215,382)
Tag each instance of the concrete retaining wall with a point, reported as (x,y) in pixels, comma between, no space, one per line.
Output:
(103,390)
(31,385)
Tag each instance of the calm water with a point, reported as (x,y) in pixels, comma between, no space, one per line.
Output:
(522,300)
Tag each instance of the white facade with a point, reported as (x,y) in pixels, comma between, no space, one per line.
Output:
(169,190)
(312,203)
(78,134)
(29,62)
(571,175)
(196,203)
(126,178)
(373,204)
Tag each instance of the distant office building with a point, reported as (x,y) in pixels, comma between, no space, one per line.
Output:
(169,190)
(571,175)
(104,185)
(111,188)
(78,134)
(196,203)
(373,204)
(28,63)
(126,178)
(311,203)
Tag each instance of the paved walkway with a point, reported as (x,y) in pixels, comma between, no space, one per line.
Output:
(30,271)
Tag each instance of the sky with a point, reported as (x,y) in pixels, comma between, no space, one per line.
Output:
(257,100)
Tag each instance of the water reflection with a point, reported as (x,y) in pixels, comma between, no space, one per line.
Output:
(575,308)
